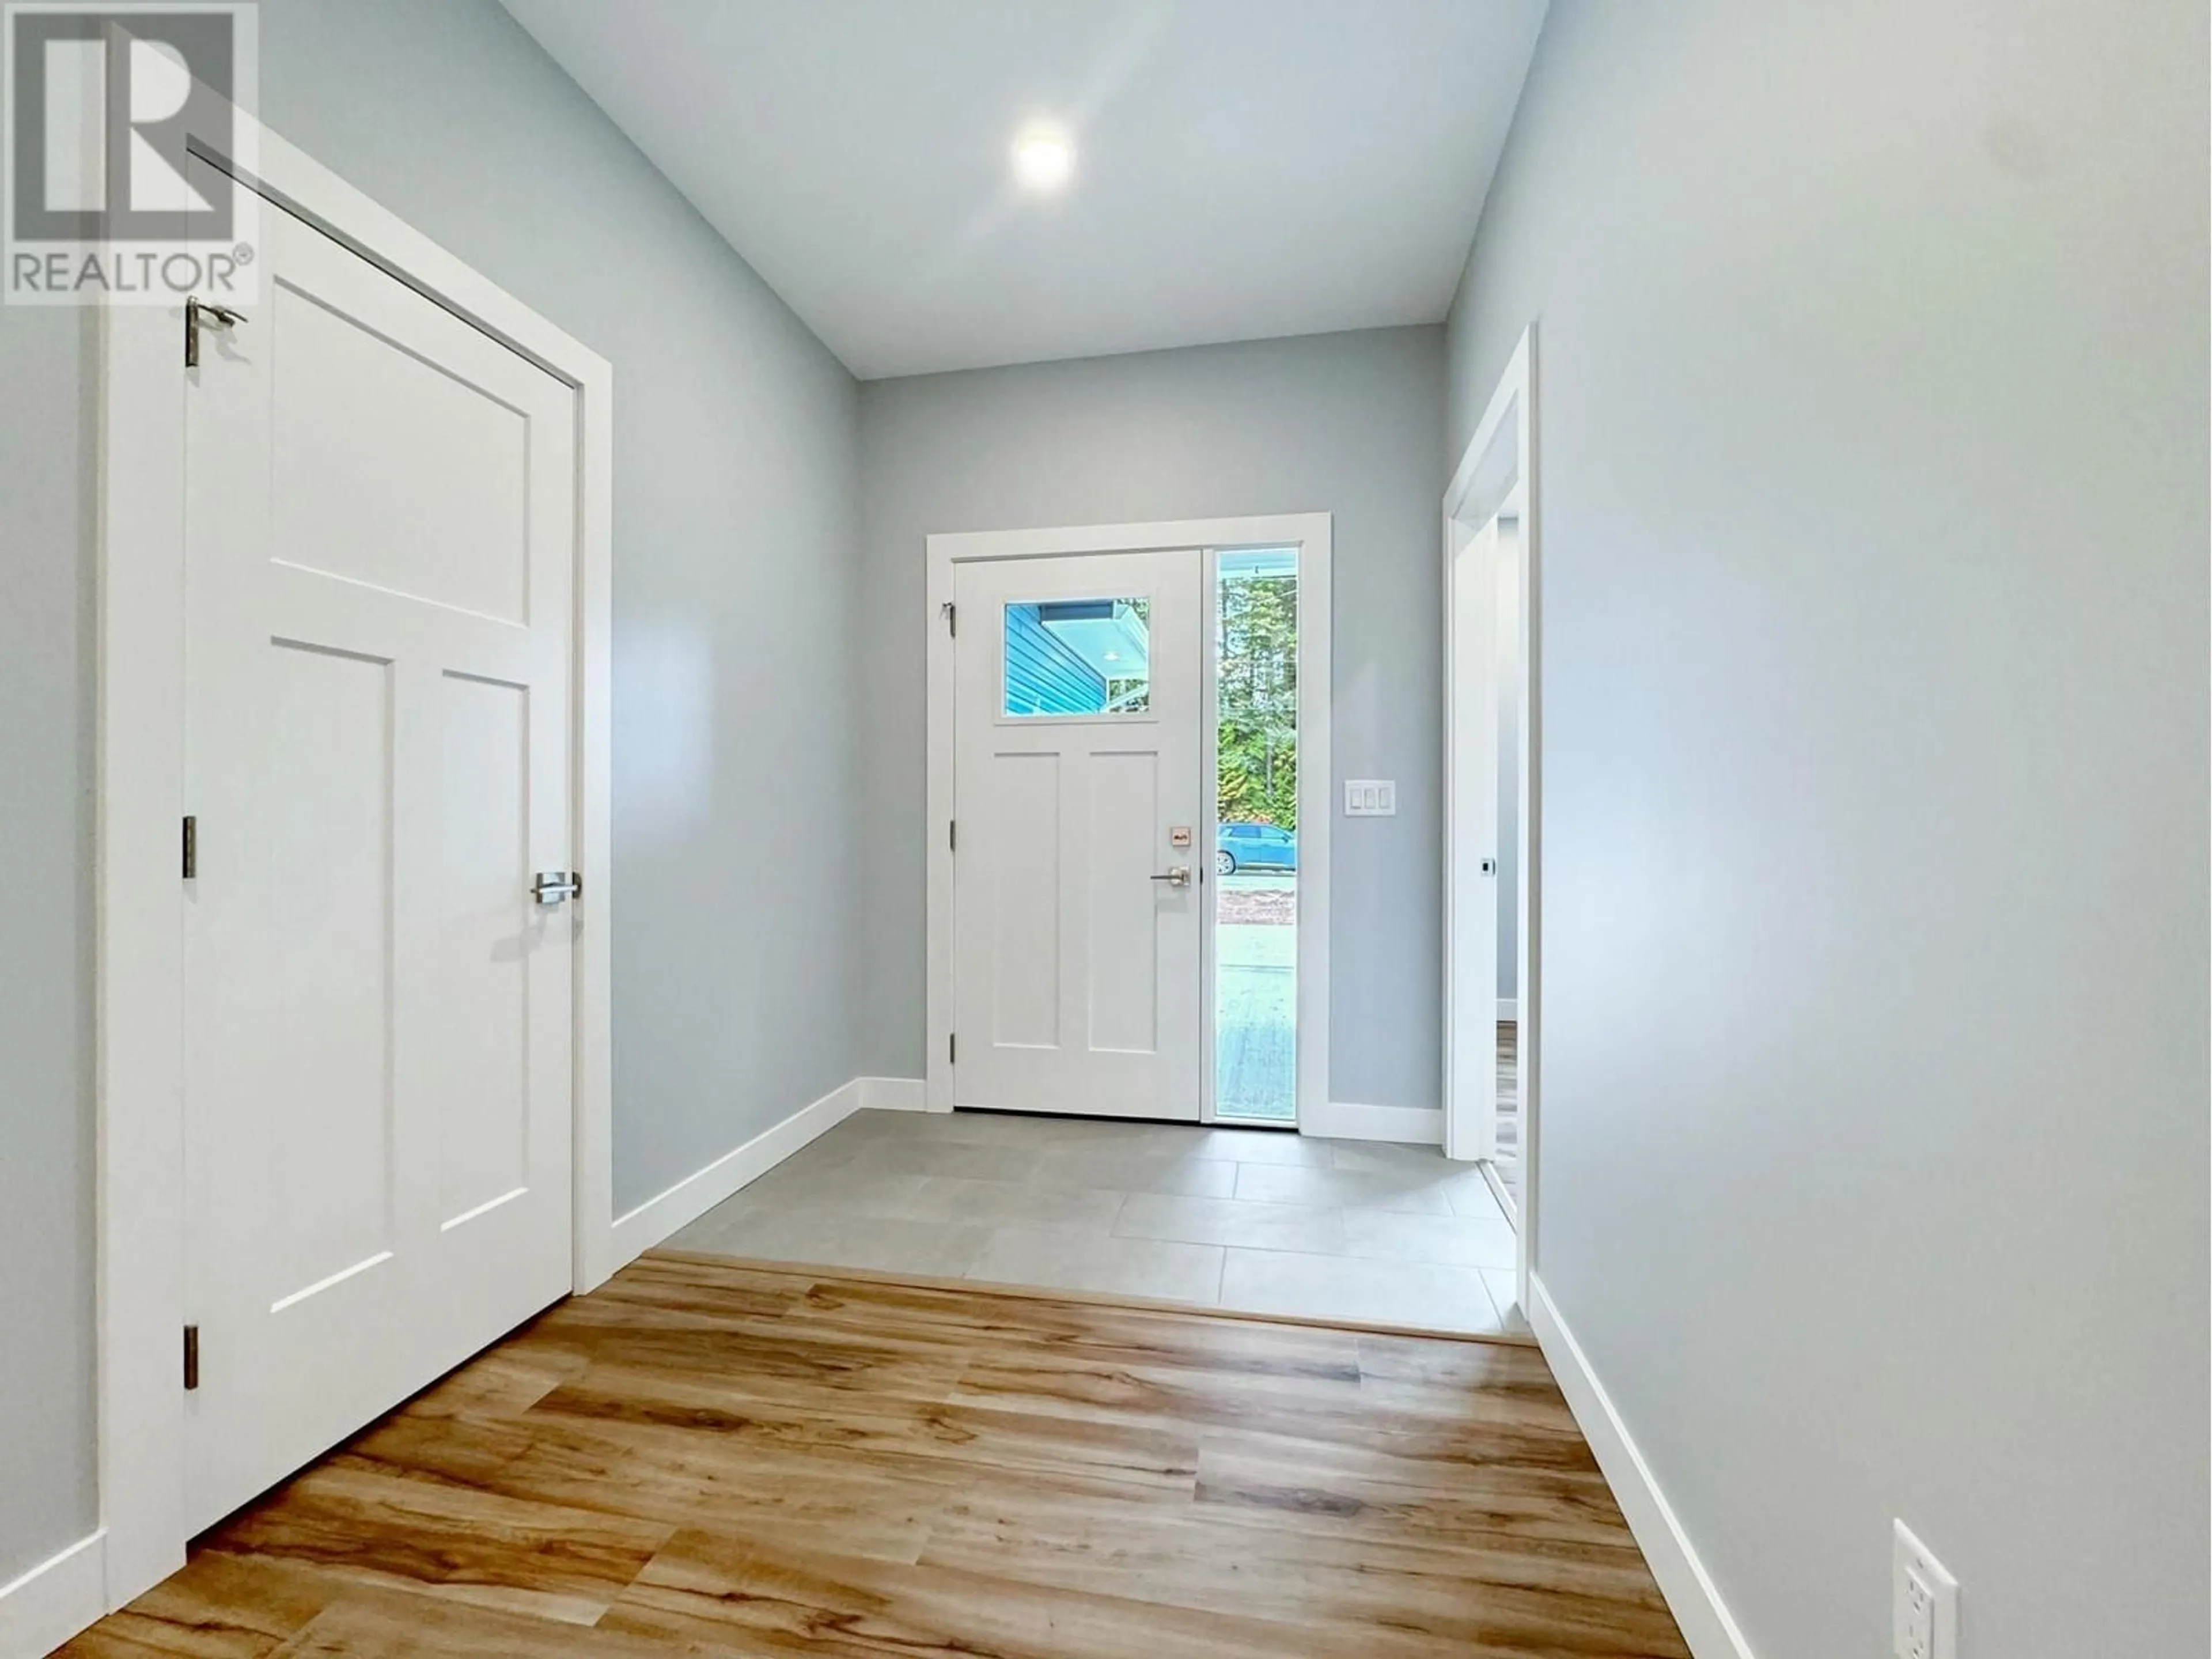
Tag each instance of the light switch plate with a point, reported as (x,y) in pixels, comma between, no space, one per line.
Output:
(1370,798)
(1923,1601)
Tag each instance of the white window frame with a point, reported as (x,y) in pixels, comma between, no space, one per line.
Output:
(140,1002)
(1310,533)
(1499,470)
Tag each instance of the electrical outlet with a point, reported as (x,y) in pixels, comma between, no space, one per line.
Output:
(1924,1617)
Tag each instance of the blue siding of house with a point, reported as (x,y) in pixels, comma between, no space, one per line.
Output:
(1043,675)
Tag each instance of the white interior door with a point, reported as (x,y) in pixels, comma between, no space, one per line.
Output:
(1471,1114)
(1079,797)
(381,503)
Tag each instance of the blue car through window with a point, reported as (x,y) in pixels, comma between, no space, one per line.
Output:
(1254,847)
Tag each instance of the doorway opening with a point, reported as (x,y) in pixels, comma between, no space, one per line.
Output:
(1492,826)
(1118,745)
(1256,841)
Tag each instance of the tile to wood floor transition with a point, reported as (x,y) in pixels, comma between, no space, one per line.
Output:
(1255,1220)
(708,1460)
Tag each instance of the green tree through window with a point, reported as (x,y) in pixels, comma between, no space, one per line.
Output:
(1258,688)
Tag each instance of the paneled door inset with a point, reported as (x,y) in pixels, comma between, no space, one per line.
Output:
(379,601)
(1082,833)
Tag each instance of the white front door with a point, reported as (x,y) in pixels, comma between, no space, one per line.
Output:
(1078,798)
(380,504)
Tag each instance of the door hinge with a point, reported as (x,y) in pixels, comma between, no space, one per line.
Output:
(951,615)
(192,1357)
(953,836)
(951,1048)
(192,861)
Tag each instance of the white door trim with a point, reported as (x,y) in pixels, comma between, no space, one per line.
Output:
(1308,531)
(1498,470)
(1209,767)
(139,941)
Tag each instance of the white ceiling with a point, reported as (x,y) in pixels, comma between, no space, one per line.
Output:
(1244,168)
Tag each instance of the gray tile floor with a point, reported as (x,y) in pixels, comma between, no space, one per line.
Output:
(1258,1220)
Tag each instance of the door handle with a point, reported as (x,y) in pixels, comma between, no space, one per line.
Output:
(199,313)
(554,885)
(1177,876)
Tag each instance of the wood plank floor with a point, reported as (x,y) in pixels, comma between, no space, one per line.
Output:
(709,1458)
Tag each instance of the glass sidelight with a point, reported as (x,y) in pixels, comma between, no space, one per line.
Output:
(1255,850)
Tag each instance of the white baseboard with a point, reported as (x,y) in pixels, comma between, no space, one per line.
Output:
(893,1094)
(1509,1008)
(54,1599)
(1348,1121)
(1706,1624)
(652,1221)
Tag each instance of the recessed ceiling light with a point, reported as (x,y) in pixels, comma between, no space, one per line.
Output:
(1043,159)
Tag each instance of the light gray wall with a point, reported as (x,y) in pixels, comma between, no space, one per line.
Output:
(1345,424)
(736,536)
(1871,405)
(735,529)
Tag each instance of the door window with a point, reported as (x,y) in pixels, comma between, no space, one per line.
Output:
(1079,657)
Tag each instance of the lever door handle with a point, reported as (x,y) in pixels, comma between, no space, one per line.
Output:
(199,314)
(551,886)
(1176,876)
